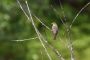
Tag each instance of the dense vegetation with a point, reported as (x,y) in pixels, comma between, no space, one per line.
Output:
(14,26)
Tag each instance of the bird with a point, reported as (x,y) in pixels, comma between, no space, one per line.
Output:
(54,30)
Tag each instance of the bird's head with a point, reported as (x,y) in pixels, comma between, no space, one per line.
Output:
(53,23)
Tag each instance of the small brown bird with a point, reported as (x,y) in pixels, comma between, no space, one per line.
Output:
(54,30)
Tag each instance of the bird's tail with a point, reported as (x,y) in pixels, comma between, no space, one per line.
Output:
(54,38)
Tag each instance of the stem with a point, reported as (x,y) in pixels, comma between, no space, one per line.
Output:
(31,20)
(42,23)
(38,33)
(70,46)
(25,39)
(79,13)
(55,50)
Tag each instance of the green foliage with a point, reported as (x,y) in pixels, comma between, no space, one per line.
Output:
(14,26)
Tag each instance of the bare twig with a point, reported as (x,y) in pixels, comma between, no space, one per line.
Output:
(68,32)
(25,39)
(42,23)
(31,19)
(50,46)
(41,37)
(59,17)
(34,15)
(38,33)
(69,43)
(79,13)
(62,10)
(55,50)
(23,10)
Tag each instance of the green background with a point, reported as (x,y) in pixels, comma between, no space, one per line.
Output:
(14,26)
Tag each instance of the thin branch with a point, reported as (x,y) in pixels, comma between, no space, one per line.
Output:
(25,39)
(34,15)
(50,46)
(62,10)
(69,38)
(59,17)
(34,26)
(69,43)
(42,23)
(68,32)
(23,10)
(79,13)
(38,33)
(55,50)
